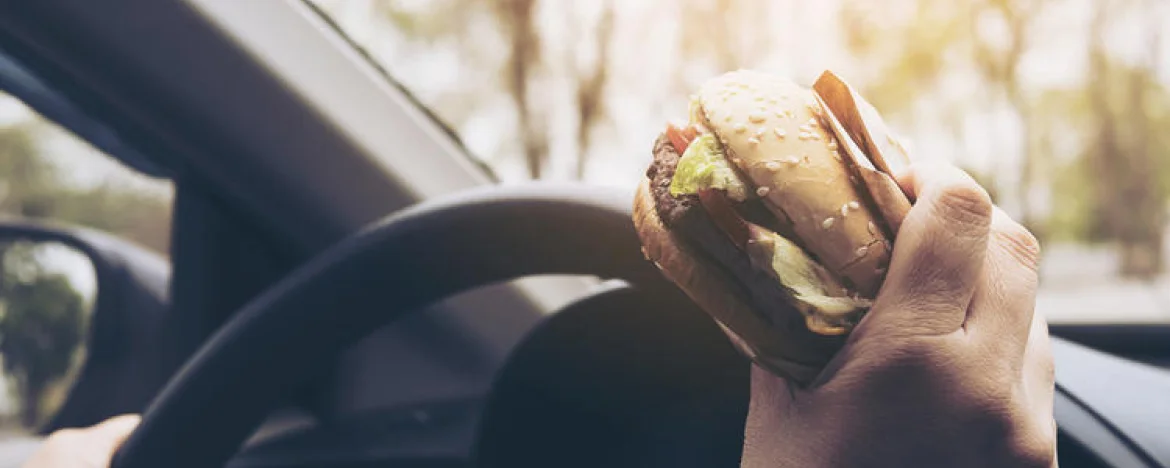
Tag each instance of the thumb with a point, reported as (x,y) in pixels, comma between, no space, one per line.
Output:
(938,253)
(104,438)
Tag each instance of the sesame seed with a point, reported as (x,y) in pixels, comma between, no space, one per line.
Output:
(740,128)
(832,145)
(760,132)
(757,118)
(844,210)
(814,136)
(853,205)
(779,114)
(805,135)
(870,227)
(861,251)
(812,121)
(753,141)
(762,191)
(772,165)
(780,133)
(828,223)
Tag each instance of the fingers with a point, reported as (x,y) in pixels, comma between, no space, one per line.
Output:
(104,439)
(1005,300)
(1039,374)
(117,428)
(1039,368)
(938,255)
(768,413)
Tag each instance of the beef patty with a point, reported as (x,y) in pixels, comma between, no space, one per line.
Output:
(694,229)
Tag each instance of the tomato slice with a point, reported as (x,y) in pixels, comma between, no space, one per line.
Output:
(717,205)
(681,138)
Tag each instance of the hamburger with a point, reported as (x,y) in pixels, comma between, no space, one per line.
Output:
(775,210)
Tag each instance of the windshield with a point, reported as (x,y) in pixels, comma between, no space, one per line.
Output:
(1057,106)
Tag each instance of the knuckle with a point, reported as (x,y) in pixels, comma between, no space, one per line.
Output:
(1020,244)
(965,204)
(929,295)
(989,403)
(919,354)
(1033,449)
(1006,423)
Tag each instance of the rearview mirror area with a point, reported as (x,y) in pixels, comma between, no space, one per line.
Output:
(47,293)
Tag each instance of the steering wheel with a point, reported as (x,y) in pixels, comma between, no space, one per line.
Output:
(423,254)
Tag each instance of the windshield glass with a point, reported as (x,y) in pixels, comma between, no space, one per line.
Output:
(1057,106)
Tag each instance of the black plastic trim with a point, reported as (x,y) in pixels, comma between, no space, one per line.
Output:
(414,258)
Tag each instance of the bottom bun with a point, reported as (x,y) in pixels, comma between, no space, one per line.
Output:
(783,345)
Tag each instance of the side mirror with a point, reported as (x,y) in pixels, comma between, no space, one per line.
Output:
(79,310)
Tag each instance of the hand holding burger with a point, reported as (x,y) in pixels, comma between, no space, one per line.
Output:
(767,212)
(911,342)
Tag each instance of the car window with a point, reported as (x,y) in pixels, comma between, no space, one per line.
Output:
(1057,106)
(46,288)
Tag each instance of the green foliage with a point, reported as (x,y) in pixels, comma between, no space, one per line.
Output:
(42,327)
(32,187)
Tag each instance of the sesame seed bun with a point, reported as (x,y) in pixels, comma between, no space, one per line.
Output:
(804,158)
(774,131)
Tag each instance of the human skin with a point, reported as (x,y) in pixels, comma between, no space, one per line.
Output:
(951,367)
(89,447)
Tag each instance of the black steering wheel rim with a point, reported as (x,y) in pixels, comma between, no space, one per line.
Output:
(425,253)
(301,325)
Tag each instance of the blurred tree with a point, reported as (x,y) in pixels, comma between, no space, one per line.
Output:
(24,174)
(41,328)
(523,65)
(1000,30)
(904,47)
(1129,202)
(517,18)
(714,31)
(590,80)
(31,186)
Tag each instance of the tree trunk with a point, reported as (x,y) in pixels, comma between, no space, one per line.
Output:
(30,403)
(1144,201)
(591,90)
(517,17)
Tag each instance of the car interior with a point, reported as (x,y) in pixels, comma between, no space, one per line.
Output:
(346,288)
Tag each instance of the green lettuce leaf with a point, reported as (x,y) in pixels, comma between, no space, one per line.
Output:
(703,166)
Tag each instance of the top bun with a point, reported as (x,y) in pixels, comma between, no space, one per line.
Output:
(774,131)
